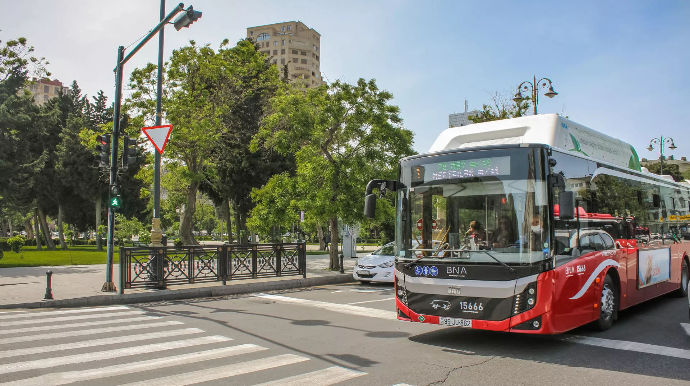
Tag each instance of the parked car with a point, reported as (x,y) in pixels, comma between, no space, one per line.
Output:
(379,266)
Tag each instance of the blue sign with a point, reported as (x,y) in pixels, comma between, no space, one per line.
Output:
(417,270)
(433,271)
(425,270)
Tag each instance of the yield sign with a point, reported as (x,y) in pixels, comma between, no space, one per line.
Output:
(158,135)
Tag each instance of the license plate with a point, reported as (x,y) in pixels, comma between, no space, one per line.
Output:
(362,272)
(466,323)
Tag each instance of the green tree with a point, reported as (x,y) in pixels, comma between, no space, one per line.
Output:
(501,108)
(342,136)
(669,170)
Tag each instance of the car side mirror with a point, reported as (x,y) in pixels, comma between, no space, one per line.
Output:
(370,206)
(566,205)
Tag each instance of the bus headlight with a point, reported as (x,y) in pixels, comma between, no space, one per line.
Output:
(526,300)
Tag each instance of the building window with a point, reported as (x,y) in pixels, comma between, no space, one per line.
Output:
(317,57)
(295,60)
(57,90)
(46,89)
(282,61)
(282,51)
(263,36)
(275,42)
(289,28)
(283,41)
(304,53)
(275,52)
(267,52)
(275,61)
(45,98)
(294,52)
(251,33)
(282,29)
(304,61)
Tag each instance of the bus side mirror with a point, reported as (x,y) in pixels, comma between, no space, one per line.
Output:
(557,181)
(566,205)
(370,206)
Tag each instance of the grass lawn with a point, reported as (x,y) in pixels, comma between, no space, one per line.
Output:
(77,255)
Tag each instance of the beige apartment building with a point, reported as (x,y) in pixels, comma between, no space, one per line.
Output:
(294,44)
(44,90)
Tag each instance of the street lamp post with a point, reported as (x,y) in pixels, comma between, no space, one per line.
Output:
(662,142)
(534,87)
(187,18)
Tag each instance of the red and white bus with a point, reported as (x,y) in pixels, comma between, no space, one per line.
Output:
(537,228)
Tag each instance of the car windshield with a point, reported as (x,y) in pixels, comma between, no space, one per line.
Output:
(386,250)
(462,205)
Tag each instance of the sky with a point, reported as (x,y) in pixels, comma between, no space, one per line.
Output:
(620,67)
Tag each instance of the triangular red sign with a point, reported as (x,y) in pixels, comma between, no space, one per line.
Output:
(158,135)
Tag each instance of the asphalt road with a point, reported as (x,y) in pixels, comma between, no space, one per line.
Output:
(326,335)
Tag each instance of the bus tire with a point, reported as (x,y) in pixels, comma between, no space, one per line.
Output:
(682,291)
(608,307)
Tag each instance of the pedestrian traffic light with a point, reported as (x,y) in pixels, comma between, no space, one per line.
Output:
(115,201)
(103,149)
(187,18)
(129,151)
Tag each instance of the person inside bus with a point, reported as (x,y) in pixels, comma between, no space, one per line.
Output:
(504,234)
(536,233)
(475,231)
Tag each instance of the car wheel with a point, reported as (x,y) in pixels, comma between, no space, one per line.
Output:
(609,304)
(684,277)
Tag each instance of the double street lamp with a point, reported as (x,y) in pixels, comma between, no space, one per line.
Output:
(662,142)
(534,88)
(189,17)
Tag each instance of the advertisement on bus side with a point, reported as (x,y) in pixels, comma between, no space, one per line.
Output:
(653,266)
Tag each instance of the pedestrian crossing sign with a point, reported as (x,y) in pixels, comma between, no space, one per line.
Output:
(115,202)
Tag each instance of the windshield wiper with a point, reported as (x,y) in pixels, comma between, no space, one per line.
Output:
(511,269)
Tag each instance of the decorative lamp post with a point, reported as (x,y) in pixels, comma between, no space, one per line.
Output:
(534,87)
(662,142)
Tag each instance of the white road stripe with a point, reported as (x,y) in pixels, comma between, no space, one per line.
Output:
(109,354)
(221,372)
(686,327)
(66,318)
(334,307)
(65,378)
(373,301)
(323,377)
(99,342)
(40,314)
(631,346)
(402,384)
(99,323)
(64,334)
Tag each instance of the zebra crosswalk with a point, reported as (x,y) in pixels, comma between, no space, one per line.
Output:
(126,346)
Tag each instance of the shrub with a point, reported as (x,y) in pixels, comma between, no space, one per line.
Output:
(2,254)
(178,243)
(16,243)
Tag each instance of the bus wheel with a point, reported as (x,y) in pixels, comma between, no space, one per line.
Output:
(609,302)
(684,277)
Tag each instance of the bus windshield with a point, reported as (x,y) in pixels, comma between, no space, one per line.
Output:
(475,206)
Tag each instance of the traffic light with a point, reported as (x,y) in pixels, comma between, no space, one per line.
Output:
(187,18)
(103,149)
(115,201)
(129,151)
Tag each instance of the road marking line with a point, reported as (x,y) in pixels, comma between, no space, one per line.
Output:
(402,384)
(66,318)
(40,314)
(65,378)
(323,377)
(686,327)
(334,307)
(71,325)
(99,342)
(57,335)
(109,354)
(630,346)
(222,372)
(372,301)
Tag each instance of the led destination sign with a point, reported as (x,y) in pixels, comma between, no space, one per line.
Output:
(480,167)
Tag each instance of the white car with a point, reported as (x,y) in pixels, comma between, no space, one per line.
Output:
(379,266)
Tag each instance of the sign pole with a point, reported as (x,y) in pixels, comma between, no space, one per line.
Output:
(156,231)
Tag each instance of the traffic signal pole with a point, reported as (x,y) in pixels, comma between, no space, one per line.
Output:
(109,285)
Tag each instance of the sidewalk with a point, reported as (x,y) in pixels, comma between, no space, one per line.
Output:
(80,285)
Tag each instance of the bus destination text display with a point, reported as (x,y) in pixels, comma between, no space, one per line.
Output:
(480,167)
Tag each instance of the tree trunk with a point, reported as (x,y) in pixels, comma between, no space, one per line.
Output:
(44,228)
(38,230)
(3,232)
(186,234)
(61,234)
(228,223)
(99,203)
(333,253)
(9,224)
(319,234)
(238,225)
(28,229)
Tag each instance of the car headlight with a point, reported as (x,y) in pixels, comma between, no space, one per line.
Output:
(387,264)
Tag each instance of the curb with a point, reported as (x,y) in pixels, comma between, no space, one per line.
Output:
(189,293)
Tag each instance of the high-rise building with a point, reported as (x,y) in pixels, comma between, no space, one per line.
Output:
(44,90)
(294,44)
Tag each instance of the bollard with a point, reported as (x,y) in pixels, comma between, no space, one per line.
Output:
(49,285)
(342,269)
